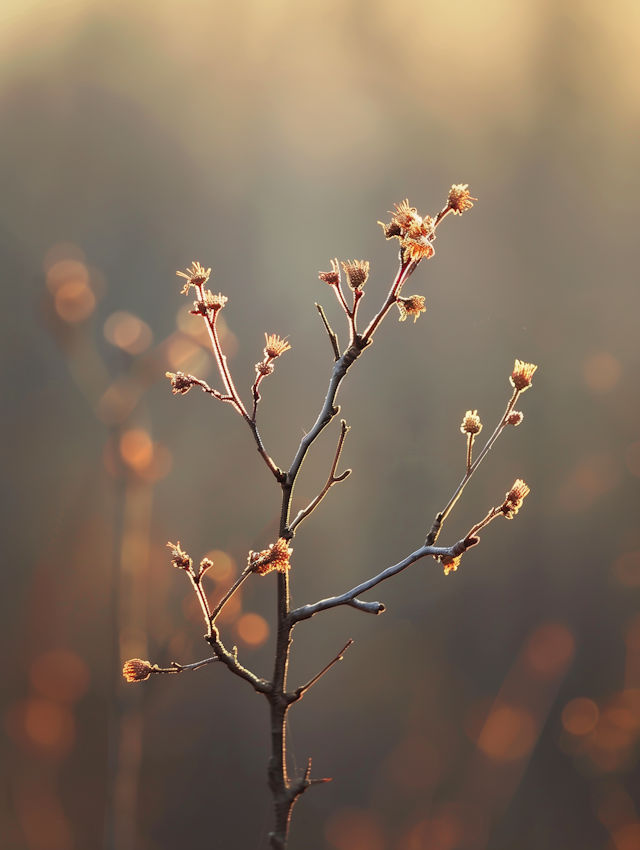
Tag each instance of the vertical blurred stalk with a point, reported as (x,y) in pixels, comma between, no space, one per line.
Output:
(129,606)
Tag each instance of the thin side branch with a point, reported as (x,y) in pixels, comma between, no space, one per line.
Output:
(181,668)
(331,480)
(244,575)
(332,335)
(441,517)
(230,660)
(299,692)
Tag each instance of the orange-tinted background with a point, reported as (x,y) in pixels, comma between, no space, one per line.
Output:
(498,707)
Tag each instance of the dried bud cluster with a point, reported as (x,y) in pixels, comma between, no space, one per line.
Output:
(471,423)
(450,563)
(515,418)
(180,383)
(411,306)
(197,275)
(514,498)
(357,272)
(179,558)
(332,277)
(415,233)
(276,557)
(205,564)
(137,670)
(459,199)
(521,375)
(209,302)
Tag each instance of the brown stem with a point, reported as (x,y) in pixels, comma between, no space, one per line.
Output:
(299,692)
(331,480)
(180,668)
(244,575)
(332,335)
(441,517)
(407,267)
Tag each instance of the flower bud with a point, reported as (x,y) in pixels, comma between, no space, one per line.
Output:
(521,375)
(137,670)
(471,423)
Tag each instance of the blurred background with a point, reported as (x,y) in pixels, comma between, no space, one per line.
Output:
(497,707)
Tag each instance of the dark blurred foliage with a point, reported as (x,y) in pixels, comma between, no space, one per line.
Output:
(494,708)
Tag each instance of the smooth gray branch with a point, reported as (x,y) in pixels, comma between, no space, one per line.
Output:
(333,336)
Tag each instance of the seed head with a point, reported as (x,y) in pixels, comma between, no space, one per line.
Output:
(415,233)
(332,277)
(515,418)
(514,498)
(179,558)
(211,301)
(276,557)
(180,383)
(357,272)
(411,306)
(471,423)
(459,199)
(275,346)
(197,275)
(205,564)
(265,367)
(521,375)
(137,670)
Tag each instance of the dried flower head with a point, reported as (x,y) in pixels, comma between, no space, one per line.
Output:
(276,557)
(265,367)
(415,233)
(275,346)
(179,558)
(197,275)
(514,498)
(521,375)
(211,301)
(357,272)
(459,199)
(180,383)
(515,418)
(450,563)
(332,277)
(411,306)
(471,423)
(137,670)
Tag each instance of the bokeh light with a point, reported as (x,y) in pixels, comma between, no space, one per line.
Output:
(602,371)
(579,717)
(550,649)
(252,629)
(128,332)
(508,733)
(354,829)
(60,674)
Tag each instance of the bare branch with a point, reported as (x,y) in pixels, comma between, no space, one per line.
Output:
(180,668)
(244,575)
(442,515)
(332,335)
(331,480)
(299,692)
(230,659)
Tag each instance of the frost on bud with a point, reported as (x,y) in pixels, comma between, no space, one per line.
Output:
(514,498)
(137,670)
(197,275)
(332,277)
(275,346)
(459,199)
(276,557)
(471,423)
(179,558)
(180,383)
(210,302)
(264,368)
(411,306)
(205,564)
(357,272)
(521,375)
(515,418)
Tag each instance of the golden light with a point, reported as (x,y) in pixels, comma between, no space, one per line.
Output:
(136,449)
(550,649)
(185,355)
(601,371)
(579,717)
(41,724)
(509,733)
(224,567)
(60,252)
(60,675)
(628,837)
(128,332)
(252,629)
(354,829)
(118,401)
(195,327)
(65,271)
(74,301)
